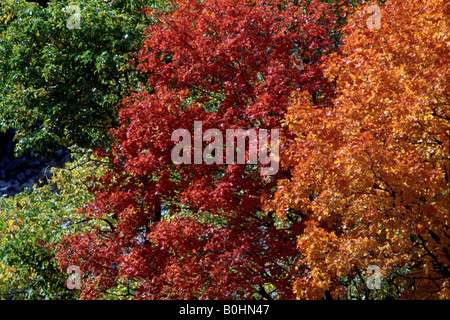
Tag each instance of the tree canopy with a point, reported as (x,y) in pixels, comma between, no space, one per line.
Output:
(199,231)
(350,98)
(370,174)
(60,86)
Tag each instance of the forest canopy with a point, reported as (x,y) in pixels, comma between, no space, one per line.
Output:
(349,98)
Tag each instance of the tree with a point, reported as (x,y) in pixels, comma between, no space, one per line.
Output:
(32,224)
(370,177)
(60,86)
(199,231)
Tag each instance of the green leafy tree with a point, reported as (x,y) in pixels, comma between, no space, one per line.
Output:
(8,12)
(59,84)
(35,220)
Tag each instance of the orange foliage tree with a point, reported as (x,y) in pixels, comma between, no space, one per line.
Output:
(370,175)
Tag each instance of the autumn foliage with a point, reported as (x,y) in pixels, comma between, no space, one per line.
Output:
(370,175)
(364,176)
(199,231)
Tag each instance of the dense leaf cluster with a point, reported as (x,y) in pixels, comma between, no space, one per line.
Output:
(60,86)
(363,115)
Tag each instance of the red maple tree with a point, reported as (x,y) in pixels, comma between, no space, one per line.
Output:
(199,231)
